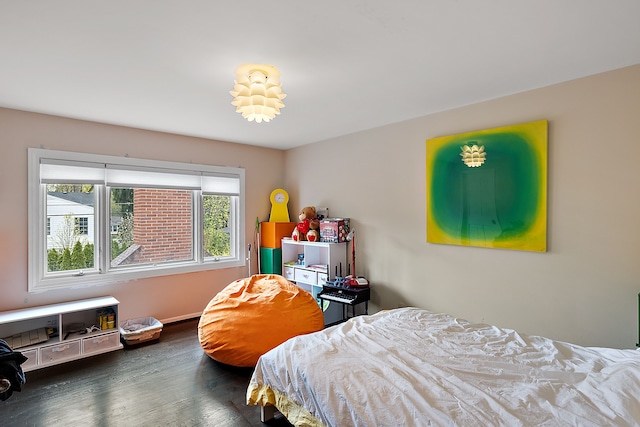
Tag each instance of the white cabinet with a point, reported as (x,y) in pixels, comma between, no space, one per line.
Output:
(322,261)
(57,333)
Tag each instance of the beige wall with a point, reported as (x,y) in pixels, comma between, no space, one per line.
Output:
(166,298)
(584,289)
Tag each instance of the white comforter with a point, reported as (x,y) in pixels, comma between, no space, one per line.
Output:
(411,367)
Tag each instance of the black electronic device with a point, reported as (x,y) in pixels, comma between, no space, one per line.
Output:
(340,291)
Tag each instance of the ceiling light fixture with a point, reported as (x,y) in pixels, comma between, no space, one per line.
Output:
(473,156)
(257,94)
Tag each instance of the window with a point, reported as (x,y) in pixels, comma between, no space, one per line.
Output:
(102,219)
(82,225)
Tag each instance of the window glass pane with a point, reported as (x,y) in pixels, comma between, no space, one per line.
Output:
(70,227)
(216,227)
(153,226)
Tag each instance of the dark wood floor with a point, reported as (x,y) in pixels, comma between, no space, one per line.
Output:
(170,382)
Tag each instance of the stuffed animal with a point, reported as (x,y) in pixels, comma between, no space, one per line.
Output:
(313,235)
(308,227)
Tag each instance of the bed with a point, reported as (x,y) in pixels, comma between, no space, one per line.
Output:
(413,367)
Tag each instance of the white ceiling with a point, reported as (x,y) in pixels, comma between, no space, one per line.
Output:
(345,66)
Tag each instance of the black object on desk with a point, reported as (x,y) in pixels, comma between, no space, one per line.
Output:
(348,296)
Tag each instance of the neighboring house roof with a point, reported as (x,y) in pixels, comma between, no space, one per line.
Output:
(86,199)
(128,256)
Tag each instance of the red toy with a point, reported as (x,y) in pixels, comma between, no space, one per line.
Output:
(307,228)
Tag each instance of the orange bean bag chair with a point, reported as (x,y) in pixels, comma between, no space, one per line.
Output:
(253,315)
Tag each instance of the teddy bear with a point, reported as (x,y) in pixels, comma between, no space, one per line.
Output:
(309,226)
(313,235)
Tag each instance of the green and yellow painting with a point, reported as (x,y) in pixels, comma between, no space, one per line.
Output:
(489,188)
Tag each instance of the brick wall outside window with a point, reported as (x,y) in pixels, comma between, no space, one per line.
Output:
(162,224)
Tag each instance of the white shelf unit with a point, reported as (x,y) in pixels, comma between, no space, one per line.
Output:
(331,255)
(65,345)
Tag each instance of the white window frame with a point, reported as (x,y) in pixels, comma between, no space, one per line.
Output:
(41,280)
(82,223)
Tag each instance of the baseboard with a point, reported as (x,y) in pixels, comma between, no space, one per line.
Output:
(180,318)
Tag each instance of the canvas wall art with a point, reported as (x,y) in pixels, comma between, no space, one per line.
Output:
(488,188)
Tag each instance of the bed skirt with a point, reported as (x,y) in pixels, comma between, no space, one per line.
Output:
(265,396)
